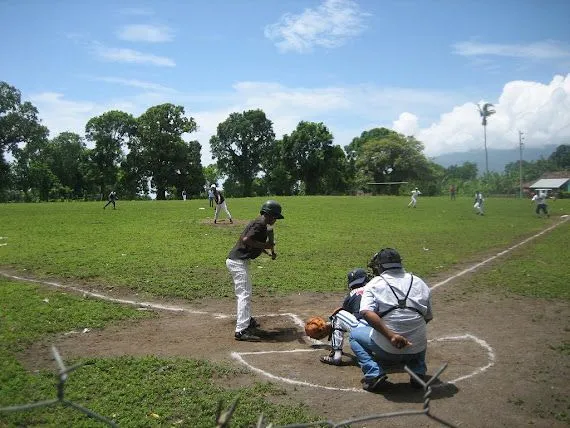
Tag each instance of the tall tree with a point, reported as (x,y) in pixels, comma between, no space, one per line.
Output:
(211,174)
(19,124)
(66,156)
(168,159)
(466,171)
(393,158)
(310,151)
(240,144)
(278,172)
(110,133)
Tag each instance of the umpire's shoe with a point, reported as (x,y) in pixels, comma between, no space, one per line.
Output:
(247,335)
(375,384)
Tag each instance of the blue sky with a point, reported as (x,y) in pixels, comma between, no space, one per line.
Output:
(416,66)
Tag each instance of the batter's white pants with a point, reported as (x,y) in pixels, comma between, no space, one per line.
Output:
(479,207)
(218,209)
(239,270)
(342,322)
(412,202)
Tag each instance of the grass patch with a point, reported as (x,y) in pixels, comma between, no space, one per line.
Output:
(132,391)
(171,248)
(537,270)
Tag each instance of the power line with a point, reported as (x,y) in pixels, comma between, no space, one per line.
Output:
(521,138)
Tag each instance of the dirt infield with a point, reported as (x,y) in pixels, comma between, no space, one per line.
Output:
(503,370)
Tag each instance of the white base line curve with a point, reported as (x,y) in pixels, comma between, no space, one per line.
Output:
(238,356)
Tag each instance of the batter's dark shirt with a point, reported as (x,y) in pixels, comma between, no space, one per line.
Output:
(218,197)
(256,230)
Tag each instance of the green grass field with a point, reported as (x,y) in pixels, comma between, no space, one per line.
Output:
(170,248)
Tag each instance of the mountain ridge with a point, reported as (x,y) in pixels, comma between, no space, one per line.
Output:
(498,158)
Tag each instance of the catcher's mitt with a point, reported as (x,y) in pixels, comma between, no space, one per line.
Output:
(317,328)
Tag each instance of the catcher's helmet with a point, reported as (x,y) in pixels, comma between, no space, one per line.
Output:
(273,208)
(386,258)
(357,278)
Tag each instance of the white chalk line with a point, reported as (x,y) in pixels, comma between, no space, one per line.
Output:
(298,321)
(502,253)
(238,356)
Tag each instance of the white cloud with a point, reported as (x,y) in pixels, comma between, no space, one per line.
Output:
(549,49)
(131,56)
(146,33)
(407,124)
(328,26)
(541,111)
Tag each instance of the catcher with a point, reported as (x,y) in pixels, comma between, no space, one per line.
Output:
(343,319)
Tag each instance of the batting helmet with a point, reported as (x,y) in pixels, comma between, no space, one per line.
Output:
(273,208)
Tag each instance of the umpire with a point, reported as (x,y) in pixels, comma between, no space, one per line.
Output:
(397,307)
(256,238)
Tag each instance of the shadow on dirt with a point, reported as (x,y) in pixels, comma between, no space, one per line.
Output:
(280,335)
(405,393)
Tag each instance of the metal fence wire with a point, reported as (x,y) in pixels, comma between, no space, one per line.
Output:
(224,416)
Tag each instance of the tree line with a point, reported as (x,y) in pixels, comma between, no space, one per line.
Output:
(137,156)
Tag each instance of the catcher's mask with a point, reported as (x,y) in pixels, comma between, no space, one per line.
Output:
(357,278)
(386,258)
(273,208)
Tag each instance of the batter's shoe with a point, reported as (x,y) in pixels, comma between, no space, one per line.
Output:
(246,335)
(253,323)
(231,221)
(376,384)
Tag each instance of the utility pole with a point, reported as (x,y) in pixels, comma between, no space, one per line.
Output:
(520,163)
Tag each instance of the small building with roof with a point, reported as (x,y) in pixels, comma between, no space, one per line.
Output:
(550,185)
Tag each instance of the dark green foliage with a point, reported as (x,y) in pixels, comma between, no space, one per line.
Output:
(240,145)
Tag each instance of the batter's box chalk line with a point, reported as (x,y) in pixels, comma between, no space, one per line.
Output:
(240,357)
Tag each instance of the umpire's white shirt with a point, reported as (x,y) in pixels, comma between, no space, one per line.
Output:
(378,297)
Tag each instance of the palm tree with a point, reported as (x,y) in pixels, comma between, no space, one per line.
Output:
(485,111)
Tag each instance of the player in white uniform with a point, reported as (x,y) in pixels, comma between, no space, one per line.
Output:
(220,204)
(540,200)
(478,205)
(415,194)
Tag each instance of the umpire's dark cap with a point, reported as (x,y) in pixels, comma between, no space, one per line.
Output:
(389,258)
(357,278)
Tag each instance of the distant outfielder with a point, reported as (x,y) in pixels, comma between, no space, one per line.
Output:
(112,198)
(478,205)
(415,194)
(540,200)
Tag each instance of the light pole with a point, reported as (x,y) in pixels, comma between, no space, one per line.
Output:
(485,111)
(520,163)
